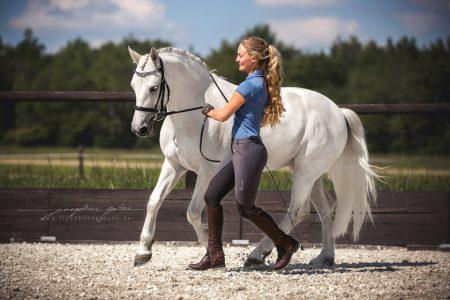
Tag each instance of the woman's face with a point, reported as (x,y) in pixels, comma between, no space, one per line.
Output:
(246,62)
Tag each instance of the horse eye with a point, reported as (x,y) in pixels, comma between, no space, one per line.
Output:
(153,89)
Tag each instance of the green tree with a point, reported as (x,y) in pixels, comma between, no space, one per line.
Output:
(350,72)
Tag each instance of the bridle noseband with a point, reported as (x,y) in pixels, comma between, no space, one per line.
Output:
(162,112)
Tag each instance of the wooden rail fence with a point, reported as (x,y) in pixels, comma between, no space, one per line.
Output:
(61,96)
(401,218)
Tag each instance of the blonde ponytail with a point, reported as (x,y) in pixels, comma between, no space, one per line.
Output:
(274,76)
(269,59)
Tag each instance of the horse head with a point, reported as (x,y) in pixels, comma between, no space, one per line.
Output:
(149,86)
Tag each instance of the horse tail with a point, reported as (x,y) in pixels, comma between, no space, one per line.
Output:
(353,179)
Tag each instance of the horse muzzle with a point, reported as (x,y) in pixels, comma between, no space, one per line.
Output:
(143,131)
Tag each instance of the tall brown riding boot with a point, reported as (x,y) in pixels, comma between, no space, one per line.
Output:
(214,257)
(285,244)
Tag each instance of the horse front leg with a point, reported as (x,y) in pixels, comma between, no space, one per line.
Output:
(171,172)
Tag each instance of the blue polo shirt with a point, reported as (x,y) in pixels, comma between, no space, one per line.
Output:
(248,117)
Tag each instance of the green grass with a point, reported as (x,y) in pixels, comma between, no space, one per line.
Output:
(411,161)
(47,149)
(19,176)
(415,183)
(109,168)
(382,160)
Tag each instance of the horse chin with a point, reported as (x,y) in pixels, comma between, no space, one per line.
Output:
(151,132)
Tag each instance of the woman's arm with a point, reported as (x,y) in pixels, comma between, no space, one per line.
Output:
(224,113)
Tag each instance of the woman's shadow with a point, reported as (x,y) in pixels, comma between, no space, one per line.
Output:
(307,269)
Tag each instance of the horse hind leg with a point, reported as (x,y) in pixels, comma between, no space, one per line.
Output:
(325,208)
(299,208)
(213,183)
(196,206)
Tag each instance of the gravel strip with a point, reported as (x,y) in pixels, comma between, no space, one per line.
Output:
(105,271)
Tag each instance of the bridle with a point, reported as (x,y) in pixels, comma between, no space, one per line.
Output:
(161,112)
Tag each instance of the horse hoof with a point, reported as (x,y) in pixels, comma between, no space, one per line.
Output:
(322,262)
(142,259)
(329,262)
(250,262)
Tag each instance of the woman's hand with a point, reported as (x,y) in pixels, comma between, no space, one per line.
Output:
(207,108)
(228,110)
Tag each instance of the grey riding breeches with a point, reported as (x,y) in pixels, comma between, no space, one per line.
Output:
(241,168)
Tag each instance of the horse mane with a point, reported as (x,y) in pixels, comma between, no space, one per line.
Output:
(184,54)
(189,57)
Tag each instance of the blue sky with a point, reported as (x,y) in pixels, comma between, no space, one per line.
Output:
(311,25)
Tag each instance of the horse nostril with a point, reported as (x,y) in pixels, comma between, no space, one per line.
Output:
(143,130)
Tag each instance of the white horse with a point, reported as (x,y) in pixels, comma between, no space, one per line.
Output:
(315,137)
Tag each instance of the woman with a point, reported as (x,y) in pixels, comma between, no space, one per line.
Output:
(256,103)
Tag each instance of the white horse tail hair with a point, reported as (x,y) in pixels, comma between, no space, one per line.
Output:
(353,180)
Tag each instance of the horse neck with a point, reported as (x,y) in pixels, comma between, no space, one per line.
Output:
(187,83)
(226,87)
(187,87)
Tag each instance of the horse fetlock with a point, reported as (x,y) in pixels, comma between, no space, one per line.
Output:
(146,241)
(143,254)
(203,240)
(257,257)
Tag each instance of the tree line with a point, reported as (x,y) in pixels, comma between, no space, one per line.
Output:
(349,72)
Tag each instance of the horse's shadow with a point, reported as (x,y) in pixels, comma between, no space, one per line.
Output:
(306,269)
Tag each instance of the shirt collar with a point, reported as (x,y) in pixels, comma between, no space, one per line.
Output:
(256,73)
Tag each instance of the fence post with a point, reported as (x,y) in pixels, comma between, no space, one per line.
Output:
(80,161)
(448,219)
(241,227)
(191,179)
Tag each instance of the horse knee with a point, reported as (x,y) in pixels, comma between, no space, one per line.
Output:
(152,207)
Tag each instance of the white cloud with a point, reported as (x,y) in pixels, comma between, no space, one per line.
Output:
(316,32)
(68,4)
(304,3)
(57,15)
(97,21)
(418,23)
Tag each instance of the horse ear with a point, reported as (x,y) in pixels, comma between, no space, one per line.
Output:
(134,55)
(154,54)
